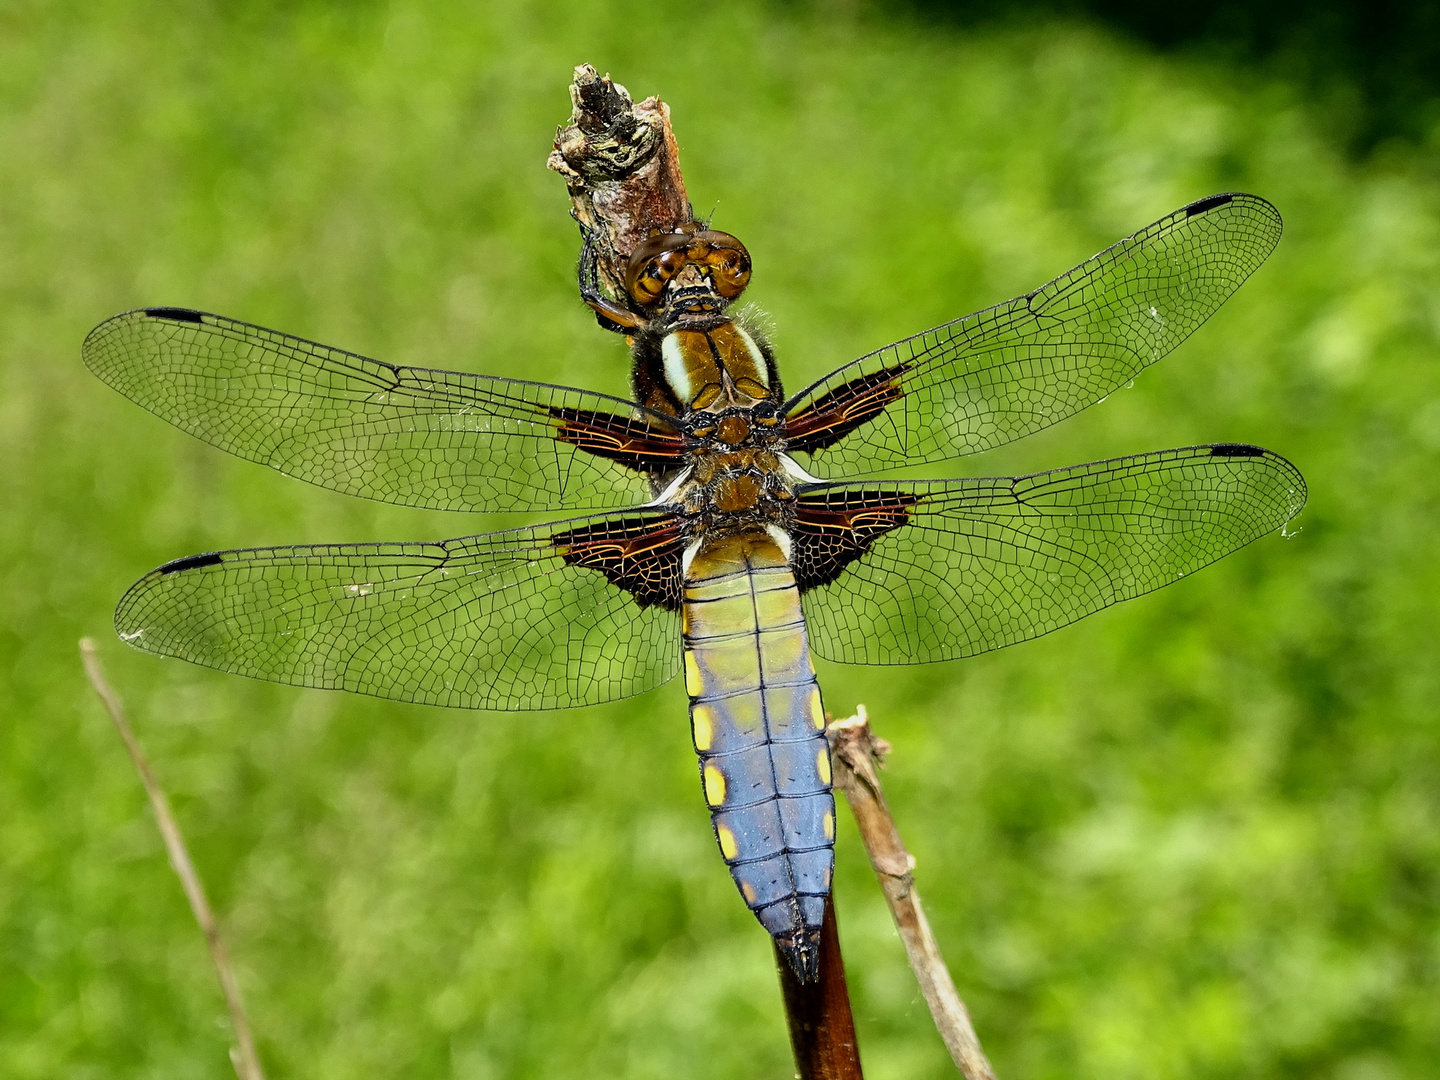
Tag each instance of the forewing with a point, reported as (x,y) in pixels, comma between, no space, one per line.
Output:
(1003,373)
(915,572)
(536,618)
(440,439)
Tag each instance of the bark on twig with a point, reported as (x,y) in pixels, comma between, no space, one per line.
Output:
(855,753)
(622,168)
(242,1056)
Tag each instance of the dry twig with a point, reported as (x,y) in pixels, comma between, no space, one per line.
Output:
(242,1055)
(856,752)
(621,167)
(622,170)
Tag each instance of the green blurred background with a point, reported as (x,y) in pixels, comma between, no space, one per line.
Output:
(1194,836)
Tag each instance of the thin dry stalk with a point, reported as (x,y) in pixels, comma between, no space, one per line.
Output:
(856,753)
(242,1055)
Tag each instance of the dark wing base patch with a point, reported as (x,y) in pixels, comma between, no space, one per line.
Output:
(628,442)
(639,556)
(832,529)
(832,416)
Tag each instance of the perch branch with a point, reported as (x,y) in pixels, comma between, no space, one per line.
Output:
(242,1055)
(856,754)
(621,167)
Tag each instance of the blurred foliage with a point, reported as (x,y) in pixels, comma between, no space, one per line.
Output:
(1372,65)
(1195,836)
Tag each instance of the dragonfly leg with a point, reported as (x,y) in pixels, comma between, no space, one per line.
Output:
(609,314)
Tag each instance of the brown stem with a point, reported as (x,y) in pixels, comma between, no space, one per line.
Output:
(822,1029)
(622,169)
(856,753)
(242,1055)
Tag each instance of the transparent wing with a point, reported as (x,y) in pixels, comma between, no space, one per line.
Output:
(936,570)
(521,619)
(439,439)
(1003,373)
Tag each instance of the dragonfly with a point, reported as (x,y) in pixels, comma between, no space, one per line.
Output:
(731,529)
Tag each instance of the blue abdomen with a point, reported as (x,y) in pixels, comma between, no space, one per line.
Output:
(759,729)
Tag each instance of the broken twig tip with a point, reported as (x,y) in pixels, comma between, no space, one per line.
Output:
(621,167)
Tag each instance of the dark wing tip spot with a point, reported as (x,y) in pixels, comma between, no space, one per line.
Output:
(1233,449)
(174,314)
(191,562)
(1202,205)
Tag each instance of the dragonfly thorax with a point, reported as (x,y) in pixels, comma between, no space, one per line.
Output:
(703,367)
(714,369)
(750,483)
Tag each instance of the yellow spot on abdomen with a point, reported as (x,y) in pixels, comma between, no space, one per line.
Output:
(817,710)
(702,727)
(822,763)
(748,891)
(714,785)
(728,847)
(694,684)
(828,824)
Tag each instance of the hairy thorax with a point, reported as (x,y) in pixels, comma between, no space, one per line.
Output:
(727,398)
(737,490)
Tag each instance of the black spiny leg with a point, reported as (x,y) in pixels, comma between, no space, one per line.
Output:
(610,315)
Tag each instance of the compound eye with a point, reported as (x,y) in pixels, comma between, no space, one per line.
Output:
(652,265)
(728,262)
(647,285)
(732,274)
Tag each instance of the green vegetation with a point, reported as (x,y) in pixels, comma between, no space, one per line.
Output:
(1195,836)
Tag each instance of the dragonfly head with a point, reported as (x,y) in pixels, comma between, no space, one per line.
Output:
(693,271)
